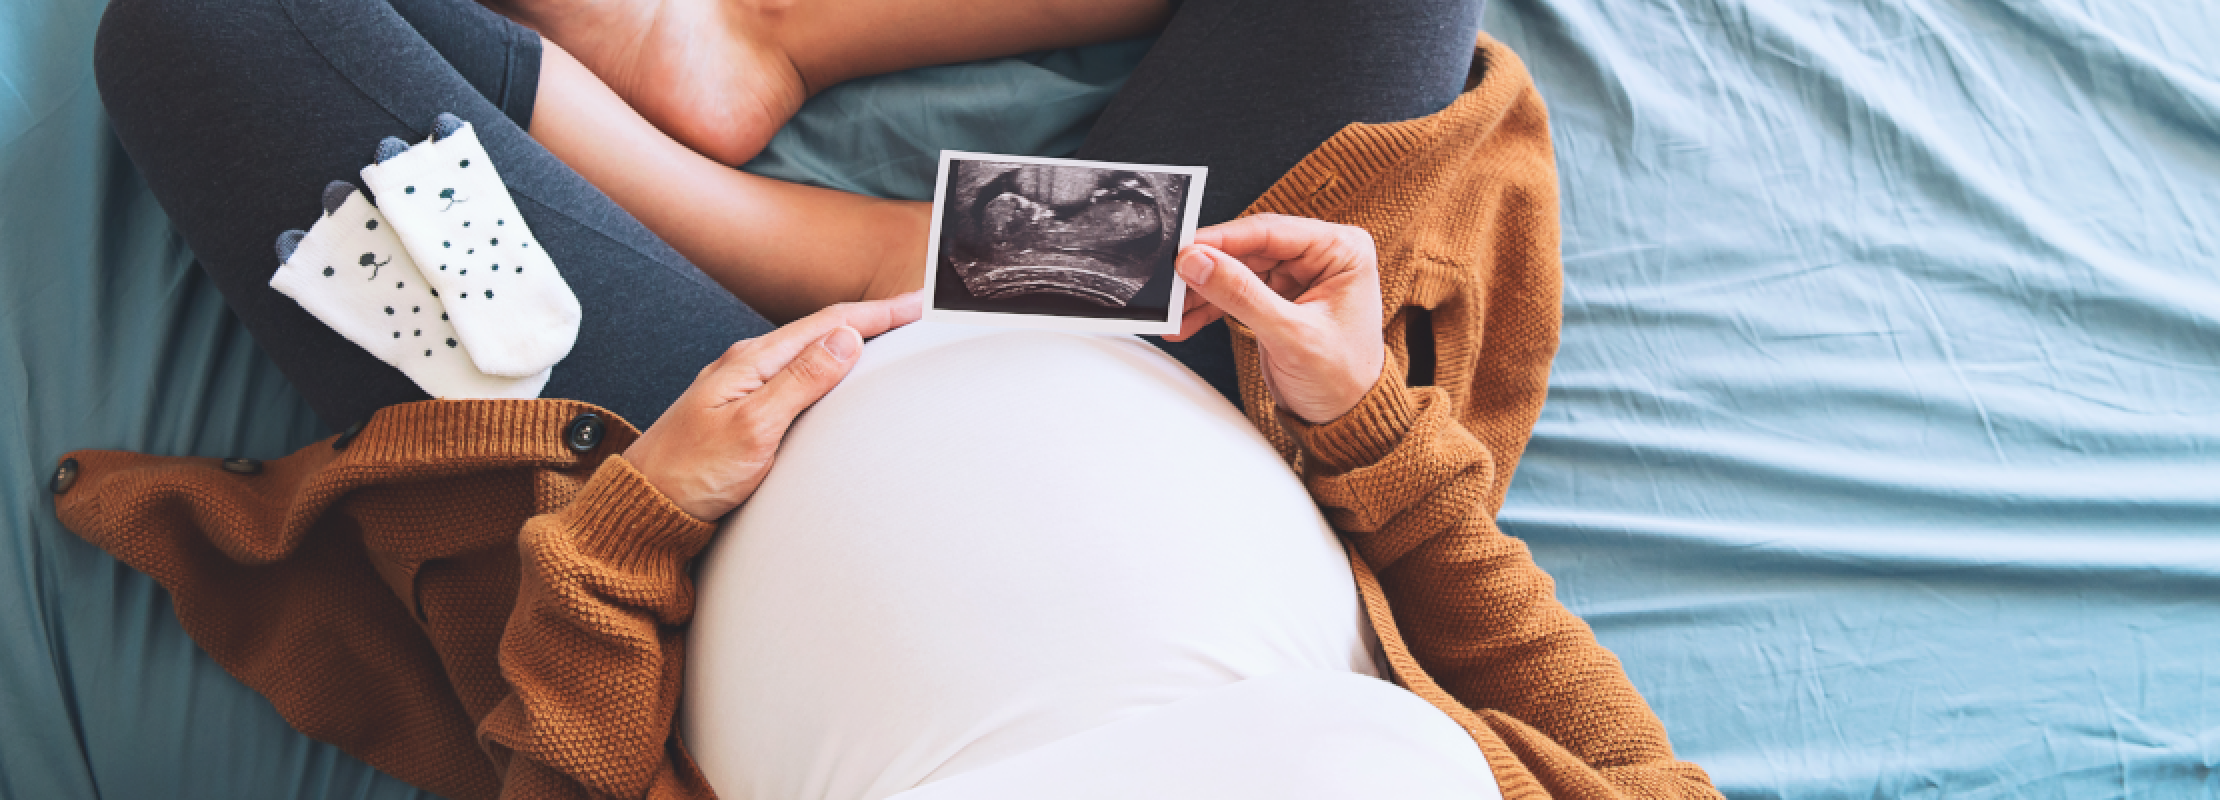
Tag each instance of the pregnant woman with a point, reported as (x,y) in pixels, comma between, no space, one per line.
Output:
(999,565)
(1016,564)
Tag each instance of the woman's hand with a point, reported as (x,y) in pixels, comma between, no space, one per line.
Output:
(1309,289)
(713,447)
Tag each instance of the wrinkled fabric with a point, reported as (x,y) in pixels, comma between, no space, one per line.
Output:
(1878,447)
(110,338)
(1883,444)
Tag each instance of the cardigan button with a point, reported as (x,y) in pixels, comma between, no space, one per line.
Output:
(243,466)
(584,432)
(65,476)
(347,437)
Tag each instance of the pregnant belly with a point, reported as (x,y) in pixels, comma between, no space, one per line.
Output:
(985,541)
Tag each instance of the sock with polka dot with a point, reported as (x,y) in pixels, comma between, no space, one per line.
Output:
(512,310)
(350,271)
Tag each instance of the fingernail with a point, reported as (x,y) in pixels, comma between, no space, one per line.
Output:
(1195,267)
(843,343)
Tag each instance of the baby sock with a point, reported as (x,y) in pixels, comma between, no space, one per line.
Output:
(350,272)
(511,309)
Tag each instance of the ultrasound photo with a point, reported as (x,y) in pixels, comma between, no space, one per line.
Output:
(1058,243)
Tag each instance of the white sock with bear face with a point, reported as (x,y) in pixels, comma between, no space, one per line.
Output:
(513,311)
(350,271)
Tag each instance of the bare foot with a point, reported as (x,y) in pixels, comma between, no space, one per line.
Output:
(707,72)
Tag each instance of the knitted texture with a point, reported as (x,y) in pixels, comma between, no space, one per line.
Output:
(1463,207)
(459,599)
(456,597)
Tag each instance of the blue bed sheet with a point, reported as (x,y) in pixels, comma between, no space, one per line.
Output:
(109,338)
(1883,446)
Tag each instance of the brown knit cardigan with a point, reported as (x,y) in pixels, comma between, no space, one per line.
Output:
(462,600)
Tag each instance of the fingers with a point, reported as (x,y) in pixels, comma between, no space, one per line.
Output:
(707,459)
(1194,320)
(1301,248)
(879,316)
(868,319)
(1234,289)
(764,356)
(1309,290)
(1195,312)
(807,377)
(1272,236)
(713,447)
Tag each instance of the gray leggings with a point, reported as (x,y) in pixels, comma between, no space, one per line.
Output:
(239,111)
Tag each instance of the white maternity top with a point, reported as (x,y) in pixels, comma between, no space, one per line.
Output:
(988,541)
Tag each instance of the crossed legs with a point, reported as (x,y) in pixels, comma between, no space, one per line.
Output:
(647,98)
(783,248)
(1245,88)
(721,76)
(238,111)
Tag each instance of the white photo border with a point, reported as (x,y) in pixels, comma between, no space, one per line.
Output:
(1011,319)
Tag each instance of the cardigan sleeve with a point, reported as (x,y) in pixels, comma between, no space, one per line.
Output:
(593,649)
(1407,484)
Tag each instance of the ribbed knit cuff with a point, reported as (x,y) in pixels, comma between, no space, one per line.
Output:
(621,520)
(1364,435)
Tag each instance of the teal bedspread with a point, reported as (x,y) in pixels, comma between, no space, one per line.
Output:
(1883,446)
(109,338)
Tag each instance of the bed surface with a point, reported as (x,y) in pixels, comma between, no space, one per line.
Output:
(110,339)
(1884,441)
(1883,445)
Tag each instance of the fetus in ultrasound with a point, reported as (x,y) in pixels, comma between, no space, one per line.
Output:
(1091,234)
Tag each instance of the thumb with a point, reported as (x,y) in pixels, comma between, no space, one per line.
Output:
(812,373)
(1235,289)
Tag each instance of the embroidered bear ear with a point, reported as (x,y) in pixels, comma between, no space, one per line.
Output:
(336,194)
(288,242)
(389,147)
(445,125)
